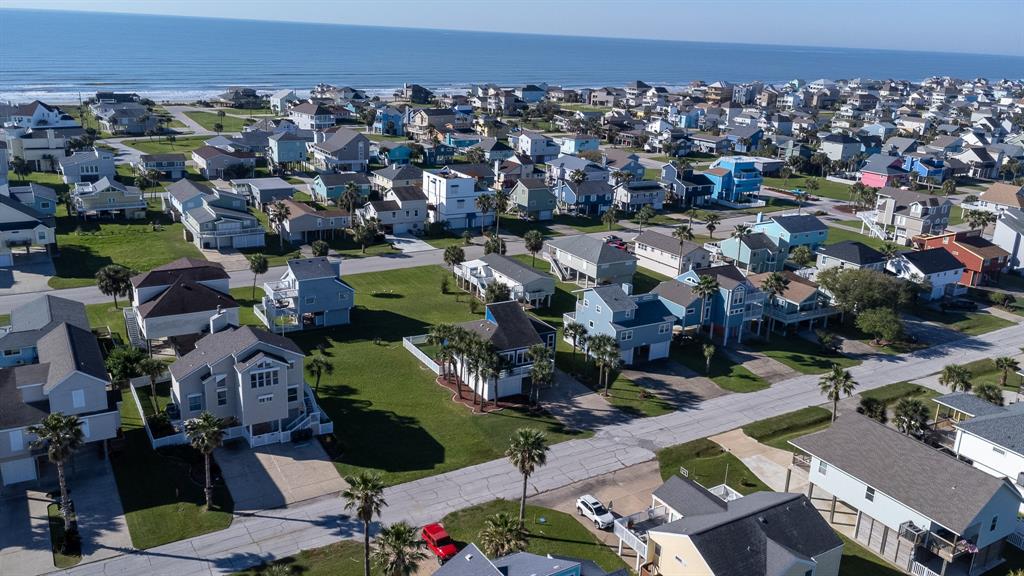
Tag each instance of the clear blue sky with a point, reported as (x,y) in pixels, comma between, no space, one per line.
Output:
(981,26)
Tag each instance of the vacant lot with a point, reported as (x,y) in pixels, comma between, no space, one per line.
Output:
(161,145)
(707,463)
(209,119)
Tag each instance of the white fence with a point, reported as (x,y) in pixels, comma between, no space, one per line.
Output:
(840,180)
(918,569)
(171,440)
(741,205)
(410,342)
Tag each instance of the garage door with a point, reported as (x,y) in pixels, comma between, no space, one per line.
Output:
(18,471)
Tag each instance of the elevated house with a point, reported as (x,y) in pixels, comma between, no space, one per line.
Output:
(26,220)
(87,166)
(451,197)
(524,283)
(801,305)
(917,507)
(212,161)
(389,122)
(736,180)
(306,224)
(998,198)
(686,188)
(288,149)
(330,187)
(587,198)
(342,150)
(262,191)
(755,252)
(736,308)
(310,294)
(849,254)
(107,197)
(882,170)
(666,255)
(641,324)
(900,215)
(633,195)
(395,176)
(1009,235)
(311,116)
(131,118)
(982,260)
(168,166)
(532,199)
(934,268)
(793,229)
(59,369)
(589,261)
(403,210)
(213,218)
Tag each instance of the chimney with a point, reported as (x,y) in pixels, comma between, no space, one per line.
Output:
(627,288)
(218,321)
(760,217)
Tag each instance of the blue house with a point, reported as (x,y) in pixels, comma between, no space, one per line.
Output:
(793,229)
(461,140)
(30,322)
(681,302)
(577,143)
(736,179)
(42,199)
(439,154)
(926,167)
(755,252)
(388,121)
(588,198)
(641,324)
(310,294)
(286,148)
(745,139)
(331,186)
(394,153)
(738,306)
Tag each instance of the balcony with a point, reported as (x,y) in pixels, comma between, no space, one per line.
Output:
(781,315)
(227,232)
(280,290)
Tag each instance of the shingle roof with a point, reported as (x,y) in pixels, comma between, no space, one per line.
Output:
(400,172)
(331,180)
(185,297)
(615,298)
(932,260)
(13,412)
(512,329)
(311,268)
(666,243)
(969,404)
(513,269)
(1004,428)
(853,252)
(590,249)
(192,269)
(894,464)
(758,241)
(688,498)
(676,292)
(67,349)
(1004,194)
(215,347)
(799,223)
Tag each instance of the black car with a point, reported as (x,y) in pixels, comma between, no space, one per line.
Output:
(959,305)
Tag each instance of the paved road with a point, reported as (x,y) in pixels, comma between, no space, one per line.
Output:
(278,533)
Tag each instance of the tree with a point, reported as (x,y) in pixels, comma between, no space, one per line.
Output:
(873,408)
(881,323)
(318,365)
(205,433)
(705,288)
(827,340)
(124,363)
(350,196)
(711,222)
(484,203)
(494,245)
(527,451)
(910,416)
(836,383)
(605,350)
(1005,365)
(398,550)
(475,155)
(114,280)
(453,256)
(497,292)
(812,185)
(741,230)
(644,215)
(154,369)
(364,234)
(61,435)
(773,285)
(258,264)
(786,172)
(610,216)
(501,199)
(709,354)
(365,497)
(20,167)
(320,248)
(978,219)
(542,373)
(854,290)
(218,127)
(989,392)
(576,333)
(802,255)
(577,176)
(502,535)
(956,377)
(889,250)
(278,215)
(534,242)
(949,187)
(683,233)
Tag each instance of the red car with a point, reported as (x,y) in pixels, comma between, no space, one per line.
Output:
(438,542)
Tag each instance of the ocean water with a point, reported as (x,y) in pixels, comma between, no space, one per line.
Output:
(56,56)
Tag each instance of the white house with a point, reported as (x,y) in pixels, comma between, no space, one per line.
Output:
(1009,235)
(537,146)
(935,267)
(998,197)
(451,198)
(87,166)
(311,116)
(282,99)
(524,283)
(661,253)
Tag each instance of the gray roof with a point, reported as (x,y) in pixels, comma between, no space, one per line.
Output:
(853,252)
(311,268)
(758,241)
(47,311)
(68,349)
(514,269)
(469,561)
(615,298)
(799,223)
(340,179)
(20,216)
(1004,428)
(339,140)
(969,404)
(512,327)
(676,292)
(591,249)
(13,412)
(953,494)
(184,190)
(400,172)
(932,260)
(688,498)
(667,243)
(527,564)
(215,347)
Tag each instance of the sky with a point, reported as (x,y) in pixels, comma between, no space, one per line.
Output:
(975,26)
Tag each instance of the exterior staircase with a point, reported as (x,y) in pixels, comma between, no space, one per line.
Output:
(868,220)
(560,272)
(131,324)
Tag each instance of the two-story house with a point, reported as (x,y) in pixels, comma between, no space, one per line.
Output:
(306,224)
(87,166)
(213,219)
(562,168)
(736,308)
(849,254)
(395,176)
(342,150)
(22,223)
(50,363)
(108,197)
(451,197)
(633,195)
(686,188)
(736,179)
(1009,235)
(840,147)
(125,118)
(388,121)
(640,323)
(792,229)
(998,198)
(286,149)
(403,210)
(330,187)
(523,282)
(754,252)
(532,199)
(168,166)
(667,255)
(212,162)
(882,170)
(511,332)
(587,198)
(589,261)
(537,146)
(311,116)
(982,260)
(800,305)
(310,294)
(935,268)
(917,507)
(263,191)
(899,215)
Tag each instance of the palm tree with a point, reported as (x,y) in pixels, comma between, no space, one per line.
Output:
(889,250)
(502,535)
(683,233)
(542,372)
(350,196)
(644,215)
(910,415)
(605,350)
(398,550)
(741,230)
(1005,365)
(114,280)
(205,433)
(62,436)
(575,332)
(318,365)
(705,288)
(956,377)
(978,219)
(773,285)
(453,256)
(527,451)
(365,497)
(711,222)
(990,393)
(534,242)
(709,353)
(836,383)
(258,264)
(484,203)
(610,216)
(501,198)
(577,177)
(278,215)
(154,369)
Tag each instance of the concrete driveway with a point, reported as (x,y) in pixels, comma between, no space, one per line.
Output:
(277,475)
(24,531)
(30,273)
(674,383)
(407,243)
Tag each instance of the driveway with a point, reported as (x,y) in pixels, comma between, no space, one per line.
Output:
(232,260)
(770,369)
(578,407)
(30,273)
(674,383)
(769,464)
(277,475)
(24,531)
(408,244)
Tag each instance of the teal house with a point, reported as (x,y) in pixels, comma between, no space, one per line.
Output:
(793,229)
(755,252)
(533,199)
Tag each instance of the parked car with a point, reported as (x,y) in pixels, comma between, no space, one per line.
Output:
(959,305)
(592,509)
(612,238)
(618,244)
(438,542)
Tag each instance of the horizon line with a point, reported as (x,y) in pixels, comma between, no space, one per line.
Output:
(482,31)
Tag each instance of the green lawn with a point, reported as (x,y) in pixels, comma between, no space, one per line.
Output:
(385,138)
(104,314)
(48,179)
(70,556)
(890,394)
(161,501)
(726,373)
(801,355)
(836,235)
(85,246)
(208,119)
(516,226)
(585,224)
(160,145)
(779,430)
(344,558)
(708,464)
(984,372)
(248,111)
(956,215)
(971,323)
(579,107)
(389,414)
(551,532)
(826,189)
(445,241)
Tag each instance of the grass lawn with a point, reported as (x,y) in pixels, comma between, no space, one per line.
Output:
(161,501)
(385,137)
(208,119)
(652,173)
(726,373)
(389,415)
(779,430)
(836,235)
(85,246)
(585,224)
(890,394)
(344,558)
(708,464)
(73,554)
(826,188)
(801,355)
(516,226)
(104,314)
(956,215)
(162,146)
(445,241)
(248,111)
(578,107)
(984,372)
(972,323)
(561,534)
(48,179)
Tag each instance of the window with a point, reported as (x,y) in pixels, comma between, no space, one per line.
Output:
(264,378)
(12,352)
(44,204)
(869,494)
(85,427)
(597,309)
(629,313)
(342,296)
(690,311)
(42,235)
(663,329)
(293,393)
(520,356)
(626,335)
(822,467)
(995,521)
(590,324)
(222,397)
(310,299)
(195,402)
(265,399)
(78,398)
(17,442)
(586,303)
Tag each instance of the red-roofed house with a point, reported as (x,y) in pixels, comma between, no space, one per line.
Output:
(982,259)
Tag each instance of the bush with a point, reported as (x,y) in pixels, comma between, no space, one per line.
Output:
(873,408)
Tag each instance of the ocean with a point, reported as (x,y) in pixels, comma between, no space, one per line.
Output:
(56,56)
